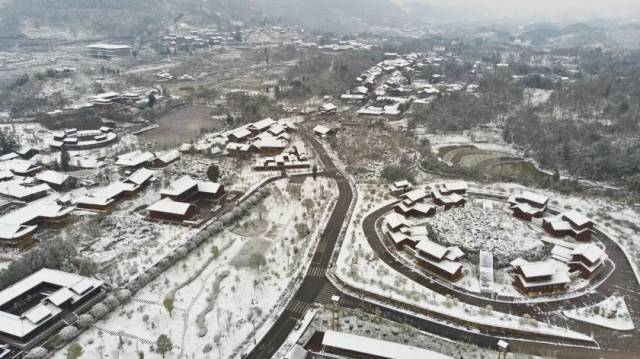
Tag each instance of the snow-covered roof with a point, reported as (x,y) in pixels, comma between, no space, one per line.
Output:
(537,269)
(263,124)
(557,277)
(420,230)
(277,129)
(32,211)
(168,205)
(114,189)
(396,220)
(19,166)
(527,208)
(94,201)
(375,347)
(398,237)
(232,146)
(52,177)
(431,248)
(297,352)
(140,176)
(371,110)
(328,107)
(104,95)
(267,140)
(16,190)
(558,224)
(445,265)
(455,186)
(135,158)
(456,198)
(5,175)
(423,208)
(534,198)
(179,186)
(12,231)
(415,195)
(454,253)
(101,46)
(209,187)
(352,97)
(21,325)
(577,218)
(402,184)
(38,313)
(322,130)
(60,296)
(560,253)
(590,251)
(169,156)
(9,156)
(241,133)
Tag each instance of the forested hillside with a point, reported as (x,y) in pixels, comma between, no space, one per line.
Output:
(123,18)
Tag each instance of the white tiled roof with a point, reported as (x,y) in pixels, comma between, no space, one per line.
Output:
(168,205)
(179,186)
(431,248)
(140,176)
(53,177)
(537,269)
(20,326)
(377,348)
(576,218)
(590,251)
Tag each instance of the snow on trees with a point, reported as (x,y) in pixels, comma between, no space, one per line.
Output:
(68,333)
(99,310)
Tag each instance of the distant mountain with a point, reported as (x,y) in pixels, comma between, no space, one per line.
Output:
(136,17)
(574,35)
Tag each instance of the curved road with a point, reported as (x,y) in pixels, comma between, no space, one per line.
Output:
(616,344)
(315,279)
(317,288)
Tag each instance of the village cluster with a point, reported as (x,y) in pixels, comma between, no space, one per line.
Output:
(409,229)
(212,218)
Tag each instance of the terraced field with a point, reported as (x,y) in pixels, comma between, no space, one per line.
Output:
(493,164)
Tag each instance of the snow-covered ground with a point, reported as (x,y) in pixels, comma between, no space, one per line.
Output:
(536,97)
(366,325)
(473,228)
(223,303)
(611,313)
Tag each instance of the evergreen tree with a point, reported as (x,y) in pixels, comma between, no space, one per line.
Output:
(163,345)
(74,351)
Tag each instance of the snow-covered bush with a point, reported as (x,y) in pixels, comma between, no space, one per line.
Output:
(227,218)
(68,333)
(123,295)
(111,301)
(99,310)
(37,353)
(85,320)
(181,252)
(216,226)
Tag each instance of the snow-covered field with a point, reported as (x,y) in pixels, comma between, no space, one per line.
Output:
(223,302)
(366,325)
(611,313)
(474,229)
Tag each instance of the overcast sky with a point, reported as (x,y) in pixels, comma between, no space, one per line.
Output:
(553,8)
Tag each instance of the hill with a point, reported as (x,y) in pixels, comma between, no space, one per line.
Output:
(127,18)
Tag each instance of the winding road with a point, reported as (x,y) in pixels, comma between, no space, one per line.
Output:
(316,287)
(622,282)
